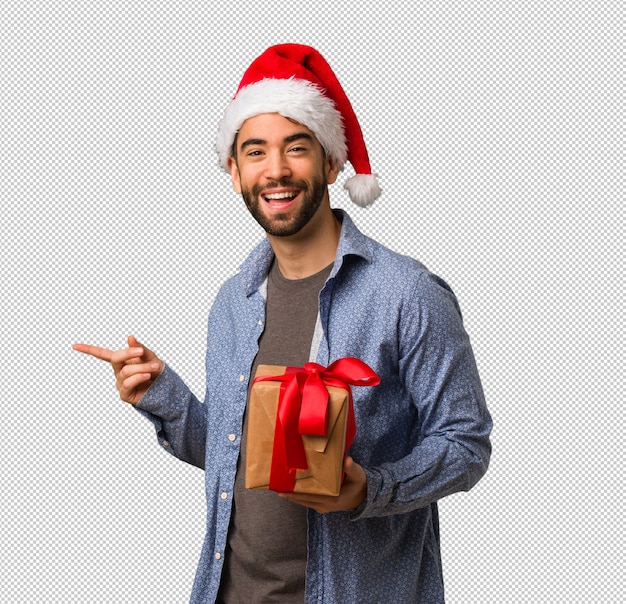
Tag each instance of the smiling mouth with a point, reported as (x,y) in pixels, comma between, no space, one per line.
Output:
(280,201)
(282,197)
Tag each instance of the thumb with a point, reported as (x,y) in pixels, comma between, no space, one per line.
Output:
(132,343)
(351,468)
(148,355)
(355,482)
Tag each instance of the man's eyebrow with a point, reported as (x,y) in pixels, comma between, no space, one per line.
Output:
(288,139)
(297,136)
(252,141)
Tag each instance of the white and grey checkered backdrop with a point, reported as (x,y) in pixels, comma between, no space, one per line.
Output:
(497,130)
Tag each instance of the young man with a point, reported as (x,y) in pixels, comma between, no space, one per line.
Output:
(317,289)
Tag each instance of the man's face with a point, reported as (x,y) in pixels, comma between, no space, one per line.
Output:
(282,173)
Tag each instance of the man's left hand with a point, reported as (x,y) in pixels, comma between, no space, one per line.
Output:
(352,494)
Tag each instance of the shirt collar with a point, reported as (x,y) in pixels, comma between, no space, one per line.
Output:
(351,243)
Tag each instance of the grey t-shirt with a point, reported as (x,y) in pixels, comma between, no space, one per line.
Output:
(265,558)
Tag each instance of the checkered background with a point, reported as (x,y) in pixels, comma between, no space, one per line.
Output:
(497,130)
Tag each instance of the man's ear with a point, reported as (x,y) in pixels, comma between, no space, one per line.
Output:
(332,170)
(234,174)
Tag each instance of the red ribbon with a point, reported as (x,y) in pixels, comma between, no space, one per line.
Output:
(303,409)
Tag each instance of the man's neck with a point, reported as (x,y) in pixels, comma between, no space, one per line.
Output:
(309,251)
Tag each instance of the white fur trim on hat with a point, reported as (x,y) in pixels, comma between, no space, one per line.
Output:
(295,99)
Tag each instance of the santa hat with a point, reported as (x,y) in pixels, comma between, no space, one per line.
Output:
(296,82)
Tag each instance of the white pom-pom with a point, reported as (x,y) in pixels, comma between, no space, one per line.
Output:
(363,189)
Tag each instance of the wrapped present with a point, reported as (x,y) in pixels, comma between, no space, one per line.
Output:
(301,424)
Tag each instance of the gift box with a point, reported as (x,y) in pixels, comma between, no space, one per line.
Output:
(301,424)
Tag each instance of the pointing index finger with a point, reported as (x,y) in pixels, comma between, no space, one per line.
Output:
(95,351)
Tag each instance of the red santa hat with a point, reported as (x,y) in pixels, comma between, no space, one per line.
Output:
(297,82)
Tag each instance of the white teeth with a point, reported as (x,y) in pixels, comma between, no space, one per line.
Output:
(280,195)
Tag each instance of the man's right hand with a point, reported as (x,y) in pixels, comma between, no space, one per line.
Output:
(135,367)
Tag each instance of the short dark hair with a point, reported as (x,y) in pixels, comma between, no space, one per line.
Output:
(233,147)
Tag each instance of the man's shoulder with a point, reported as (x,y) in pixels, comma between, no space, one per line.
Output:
(375,253)
(387,263)
(386,255)
(402,276)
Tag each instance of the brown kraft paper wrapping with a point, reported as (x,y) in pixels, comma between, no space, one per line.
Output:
(324,454)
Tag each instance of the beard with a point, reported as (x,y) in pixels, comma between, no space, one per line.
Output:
(286,224)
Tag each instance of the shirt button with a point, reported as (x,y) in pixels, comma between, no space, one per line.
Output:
(224,495)
(218,556)
(231,438)
(260,323)
(166,443)
(242,377)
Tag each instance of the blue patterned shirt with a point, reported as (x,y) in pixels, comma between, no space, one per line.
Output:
(422,434)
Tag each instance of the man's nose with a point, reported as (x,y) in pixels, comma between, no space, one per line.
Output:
(277,166)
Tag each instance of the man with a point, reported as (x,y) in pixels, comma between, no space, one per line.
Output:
(317,289)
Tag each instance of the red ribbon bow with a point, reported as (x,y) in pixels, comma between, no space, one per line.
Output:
(303,409)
